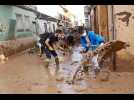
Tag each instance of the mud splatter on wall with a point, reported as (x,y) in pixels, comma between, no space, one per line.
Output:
(125,18)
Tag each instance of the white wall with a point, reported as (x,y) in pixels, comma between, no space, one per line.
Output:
(49,24)
(124,32)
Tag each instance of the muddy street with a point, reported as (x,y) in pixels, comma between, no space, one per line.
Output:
(24,73)
(101,60)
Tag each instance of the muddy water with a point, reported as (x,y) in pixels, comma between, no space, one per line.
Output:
(70,64)
(25,73)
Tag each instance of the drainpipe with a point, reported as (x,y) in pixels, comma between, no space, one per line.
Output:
(113,26)
(113,37)
(36,26)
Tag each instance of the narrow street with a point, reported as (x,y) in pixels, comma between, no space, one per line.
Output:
(100,61)
(24,73)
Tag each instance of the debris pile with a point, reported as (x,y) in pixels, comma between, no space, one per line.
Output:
(107,49)
(113,46)
(104,52)
(13,46)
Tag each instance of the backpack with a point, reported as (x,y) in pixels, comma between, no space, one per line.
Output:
(44,35)
(43,38)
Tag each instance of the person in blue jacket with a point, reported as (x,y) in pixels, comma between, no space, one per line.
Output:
(99,39)
(92,37)
(95,39)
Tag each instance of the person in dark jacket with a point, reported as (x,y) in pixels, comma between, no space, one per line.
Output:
(50,45)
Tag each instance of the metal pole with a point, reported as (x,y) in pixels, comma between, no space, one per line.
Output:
(114,37)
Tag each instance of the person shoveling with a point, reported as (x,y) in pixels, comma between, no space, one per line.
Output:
(50,45)
(104,52)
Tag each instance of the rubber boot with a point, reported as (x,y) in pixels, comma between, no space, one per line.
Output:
(59,77)
(46,65)
(57,64)
(40,52)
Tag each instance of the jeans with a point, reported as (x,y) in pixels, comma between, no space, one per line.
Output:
(49,53)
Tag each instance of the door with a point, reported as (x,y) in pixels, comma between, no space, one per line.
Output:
(104,21)
(11,33)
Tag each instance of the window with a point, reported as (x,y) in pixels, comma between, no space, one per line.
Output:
(53,28)
(27,23)
(19,23)
(49,27)
(45,26)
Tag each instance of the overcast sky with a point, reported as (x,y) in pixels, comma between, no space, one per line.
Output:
(51,10)
(78,10)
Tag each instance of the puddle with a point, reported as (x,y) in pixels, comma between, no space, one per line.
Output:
(66,88)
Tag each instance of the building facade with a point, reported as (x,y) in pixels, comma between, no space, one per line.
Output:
(66,18)
(116,22)
(15,22)
(20,25)
(46,23)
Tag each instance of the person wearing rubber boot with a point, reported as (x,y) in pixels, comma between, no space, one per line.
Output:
(49,49)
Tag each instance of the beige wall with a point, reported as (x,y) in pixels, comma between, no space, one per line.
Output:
(124,32)
(110,23)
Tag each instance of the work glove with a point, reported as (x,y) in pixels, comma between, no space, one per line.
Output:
(51,49)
